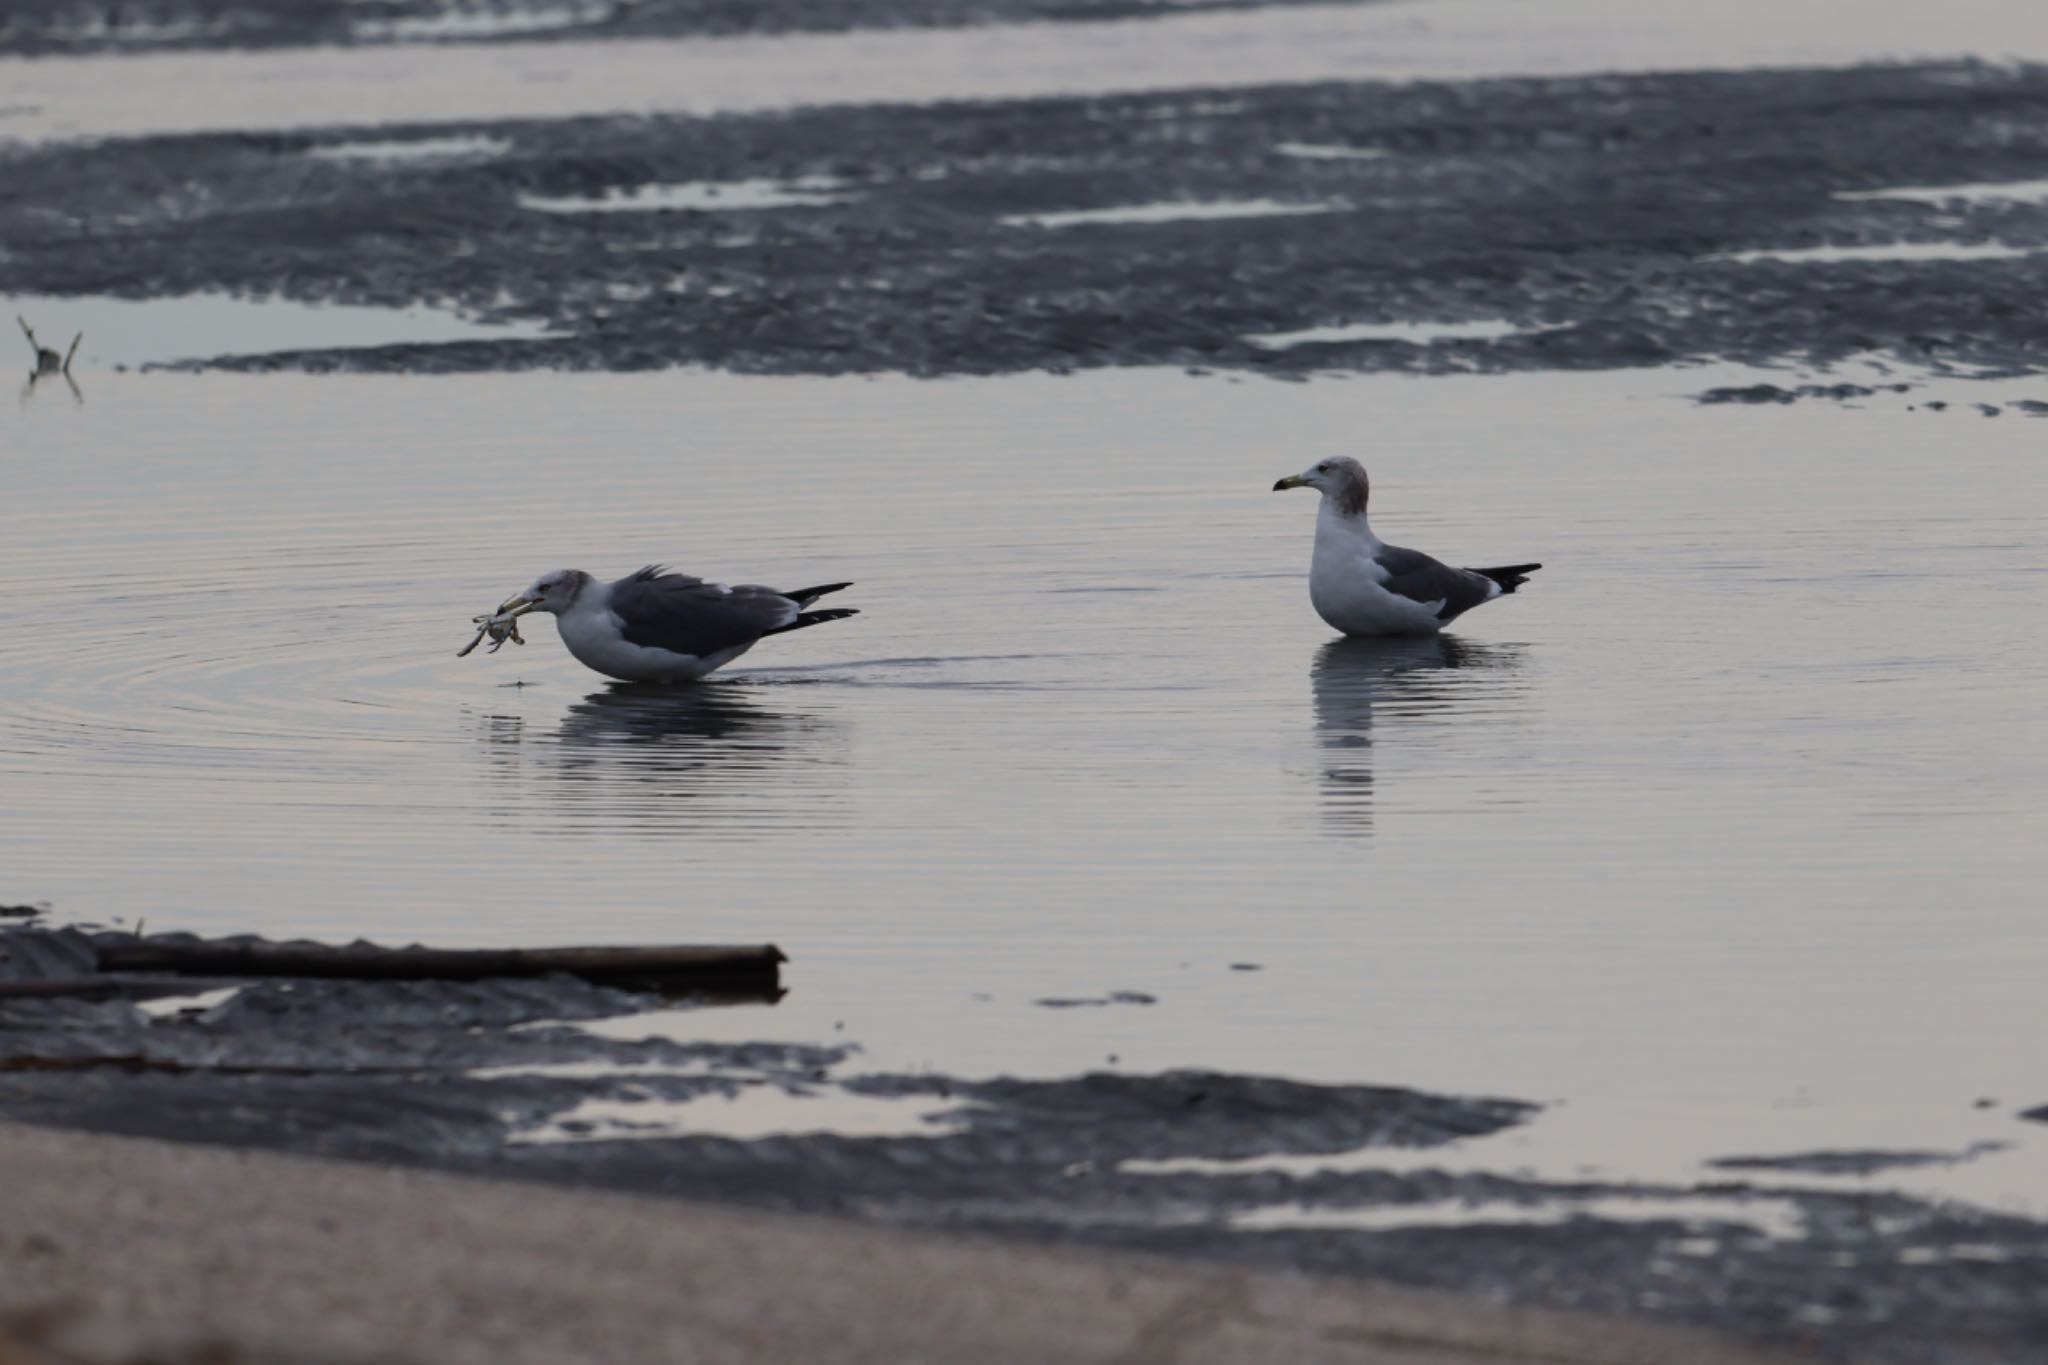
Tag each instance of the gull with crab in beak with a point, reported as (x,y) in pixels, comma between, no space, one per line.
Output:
(662,627)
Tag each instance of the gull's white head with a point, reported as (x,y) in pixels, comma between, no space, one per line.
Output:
(554,591)
(1339,478)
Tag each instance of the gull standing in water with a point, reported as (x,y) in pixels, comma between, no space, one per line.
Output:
(1363,586)
(657,626)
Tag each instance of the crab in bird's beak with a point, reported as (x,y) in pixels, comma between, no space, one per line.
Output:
(500,625)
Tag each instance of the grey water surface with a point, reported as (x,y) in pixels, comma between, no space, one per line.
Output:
(316,86)
(1727,828)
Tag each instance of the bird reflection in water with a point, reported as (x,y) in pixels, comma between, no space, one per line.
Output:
(1405,684)
(709,755)
(49,364)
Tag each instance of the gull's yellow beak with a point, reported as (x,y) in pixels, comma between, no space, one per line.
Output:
(517,606)
(1291,481)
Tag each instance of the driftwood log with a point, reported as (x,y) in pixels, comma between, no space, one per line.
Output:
(659,967)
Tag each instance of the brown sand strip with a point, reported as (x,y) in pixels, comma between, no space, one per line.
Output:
(132,1251)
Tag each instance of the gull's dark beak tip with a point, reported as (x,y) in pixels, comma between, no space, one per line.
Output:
(1281,485)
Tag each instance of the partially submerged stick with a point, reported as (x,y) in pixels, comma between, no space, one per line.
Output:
(659,965)
(36,346)
(47,360)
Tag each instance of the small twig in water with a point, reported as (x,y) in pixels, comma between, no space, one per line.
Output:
(47,360)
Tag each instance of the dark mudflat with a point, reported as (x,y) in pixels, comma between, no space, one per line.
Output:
(462,1076)
(1594,215)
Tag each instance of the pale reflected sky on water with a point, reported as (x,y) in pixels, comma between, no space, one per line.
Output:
(1402,40)
(1738,803)
(1731,821)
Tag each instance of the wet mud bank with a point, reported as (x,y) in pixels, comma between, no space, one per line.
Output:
(1492,226)
(499,1078)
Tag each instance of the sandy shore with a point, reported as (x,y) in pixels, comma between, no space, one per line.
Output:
(118,1249)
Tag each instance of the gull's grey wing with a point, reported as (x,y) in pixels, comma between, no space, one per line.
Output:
(1414,575)
(686,615)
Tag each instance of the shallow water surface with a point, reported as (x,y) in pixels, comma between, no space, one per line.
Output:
(133,332)
(1734,810)
(1416,333)
(1887,251)
(1171,212)
(809,191)
(126,95)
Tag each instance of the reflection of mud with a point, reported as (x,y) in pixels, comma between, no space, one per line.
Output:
(1358,684)
(719,753)
(1856,1162)
(1591,218)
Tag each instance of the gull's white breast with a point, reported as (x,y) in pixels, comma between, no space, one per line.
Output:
(1344,583)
